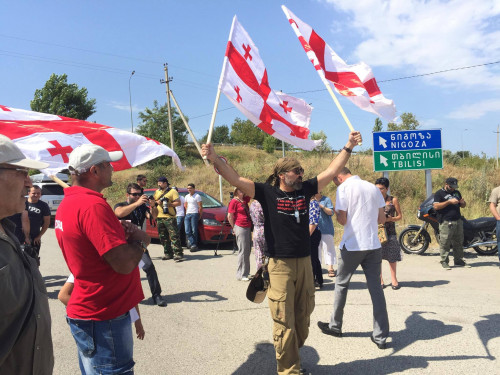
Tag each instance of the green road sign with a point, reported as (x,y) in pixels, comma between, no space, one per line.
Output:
(408,160)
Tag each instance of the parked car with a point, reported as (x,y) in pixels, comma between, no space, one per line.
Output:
(52,192)
(213,227)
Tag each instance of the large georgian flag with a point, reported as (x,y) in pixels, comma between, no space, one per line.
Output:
(244,81)
(51,138)
(356,82)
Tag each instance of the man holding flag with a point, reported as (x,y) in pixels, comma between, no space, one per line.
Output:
(285,200)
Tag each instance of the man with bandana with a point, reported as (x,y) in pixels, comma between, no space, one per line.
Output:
(285,202)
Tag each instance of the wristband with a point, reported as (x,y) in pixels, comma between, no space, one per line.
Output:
(347,149)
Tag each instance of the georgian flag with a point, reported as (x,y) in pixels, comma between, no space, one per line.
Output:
(51,138)
(244,81)
(356,82)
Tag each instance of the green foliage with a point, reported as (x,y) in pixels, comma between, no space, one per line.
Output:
(244,132)
(219,135)
(59,97)
(378,127)
(408,122)
(269,144)
(155,126)
(324,147)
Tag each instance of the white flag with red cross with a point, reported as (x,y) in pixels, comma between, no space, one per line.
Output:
(244,81)
(356,82)
(51,138)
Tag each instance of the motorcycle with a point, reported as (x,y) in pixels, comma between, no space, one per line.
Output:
(480,234)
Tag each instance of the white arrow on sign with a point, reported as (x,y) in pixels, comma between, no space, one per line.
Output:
(381,142)
(383,160)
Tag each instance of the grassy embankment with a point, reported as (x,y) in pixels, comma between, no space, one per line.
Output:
(476,178)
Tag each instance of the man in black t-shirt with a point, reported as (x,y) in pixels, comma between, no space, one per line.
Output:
(39,217)
(285,202)
(136,210)
(447,203)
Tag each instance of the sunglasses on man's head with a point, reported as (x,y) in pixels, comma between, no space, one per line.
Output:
(297,170)
(135,194)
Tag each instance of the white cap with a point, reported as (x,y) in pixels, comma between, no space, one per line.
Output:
(87,155)
(11,154)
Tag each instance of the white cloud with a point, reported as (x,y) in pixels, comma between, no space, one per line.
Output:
(475,110)
(124,107)
(426,36)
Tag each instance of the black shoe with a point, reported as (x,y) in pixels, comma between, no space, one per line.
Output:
(167,257)
(380,346)
(303,371)
(159,301)
(461,263)
(323,326)
(396,287)
(178,258)
(193,249)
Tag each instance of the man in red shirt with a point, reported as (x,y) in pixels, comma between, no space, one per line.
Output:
(103,255)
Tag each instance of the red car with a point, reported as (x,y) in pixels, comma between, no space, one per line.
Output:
(213,227)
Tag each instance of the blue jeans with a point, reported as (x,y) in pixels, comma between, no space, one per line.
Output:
(180,222)
(104,347)
(191,227)
(498,238)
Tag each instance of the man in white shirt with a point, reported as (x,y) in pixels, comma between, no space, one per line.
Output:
(359,208)
(194,209)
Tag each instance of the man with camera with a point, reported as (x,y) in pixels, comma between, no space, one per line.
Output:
(135,209)
(166,200)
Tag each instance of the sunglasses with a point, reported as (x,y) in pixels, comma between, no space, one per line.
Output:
(135,194)
(24,171)
(297,171)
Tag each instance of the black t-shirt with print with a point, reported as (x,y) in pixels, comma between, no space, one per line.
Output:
(285,237)
(450,212)
(137,216)
(36,212)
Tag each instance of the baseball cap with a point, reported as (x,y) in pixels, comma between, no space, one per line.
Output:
(163,179)
(452,182)
(257,289)
(11,154)
(87,155)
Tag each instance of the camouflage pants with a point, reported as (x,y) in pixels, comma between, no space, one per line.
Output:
(169,235)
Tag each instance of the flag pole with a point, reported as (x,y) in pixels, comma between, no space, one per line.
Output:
(187,125)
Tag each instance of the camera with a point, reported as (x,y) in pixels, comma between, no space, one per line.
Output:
(150,197)
(31,251)
(164,203)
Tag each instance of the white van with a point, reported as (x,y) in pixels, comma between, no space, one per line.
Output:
(52,192)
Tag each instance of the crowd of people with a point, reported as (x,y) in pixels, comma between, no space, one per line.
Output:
(288,223)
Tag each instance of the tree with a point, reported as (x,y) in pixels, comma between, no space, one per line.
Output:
(324,147)
(246,133)
(378,125)
(408,122)
(269,144)
(155,125)
(59,97)
(219,135)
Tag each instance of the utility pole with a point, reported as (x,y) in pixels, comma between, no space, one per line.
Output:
(498,132)
(166,81)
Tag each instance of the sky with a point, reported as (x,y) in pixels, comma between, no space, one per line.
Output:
(99,43)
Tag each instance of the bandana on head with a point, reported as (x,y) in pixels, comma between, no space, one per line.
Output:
(283,165)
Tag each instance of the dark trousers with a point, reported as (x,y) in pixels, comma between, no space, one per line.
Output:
(152,276)
(316,264)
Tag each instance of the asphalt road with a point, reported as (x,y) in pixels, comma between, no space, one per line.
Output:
(442,322)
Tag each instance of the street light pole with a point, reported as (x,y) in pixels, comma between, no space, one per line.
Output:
(130,100)
(462,142)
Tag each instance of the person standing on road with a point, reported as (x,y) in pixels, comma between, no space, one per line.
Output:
(259,241)
(495,211)
(103,255)
(285,201)
(194,211)
(447,203)
(315,233)
(391,251)
(167,199)
(359,208)
(39,217)
(180,213)
(327,244)
(239,218)
(135,210)
(25,324)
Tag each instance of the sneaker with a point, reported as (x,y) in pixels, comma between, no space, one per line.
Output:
(461,263)
(159,301)
(193,248)
(178,258)
(446,266)
(324,327)
(245,279)
(167,257)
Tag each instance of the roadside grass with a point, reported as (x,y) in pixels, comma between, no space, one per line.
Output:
(476,178)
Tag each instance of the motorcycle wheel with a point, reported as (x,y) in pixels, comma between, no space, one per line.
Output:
(487,250)
(412,244)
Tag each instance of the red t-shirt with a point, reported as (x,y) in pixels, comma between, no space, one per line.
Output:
(241,212)
(86,228)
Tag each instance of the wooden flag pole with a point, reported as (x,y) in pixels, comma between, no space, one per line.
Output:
(187,125)
(59,181)
(212,121)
